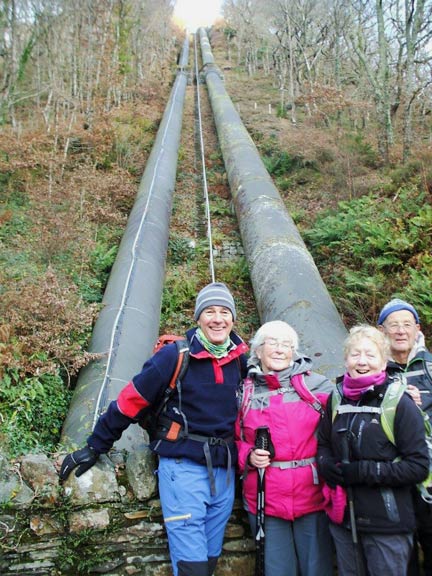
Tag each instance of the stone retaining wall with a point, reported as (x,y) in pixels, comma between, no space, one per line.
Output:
(107,522)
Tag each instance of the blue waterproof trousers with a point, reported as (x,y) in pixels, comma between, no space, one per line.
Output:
(194,519)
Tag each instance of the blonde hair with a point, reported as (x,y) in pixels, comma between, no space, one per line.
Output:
(365,331)
(267,331)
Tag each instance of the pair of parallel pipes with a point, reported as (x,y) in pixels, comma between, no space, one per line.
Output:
(286,283)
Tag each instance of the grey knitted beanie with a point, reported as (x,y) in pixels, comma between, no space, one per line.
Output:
(214,294)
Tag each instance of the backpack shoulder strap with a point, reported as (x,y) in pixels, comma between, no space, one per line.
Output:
(245,395)
(305,394)
(336,399)
(387,411)
(393,394)
(391,398)
(245,399)
(182,362)
(179,371)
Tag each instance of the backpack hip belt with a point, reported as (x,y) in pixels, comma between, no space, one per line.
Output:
(284,464)
(174,431)
(213,441)
(292,464)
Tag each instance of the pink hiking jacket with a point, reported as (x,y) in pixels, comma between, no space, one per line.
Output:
(292,487)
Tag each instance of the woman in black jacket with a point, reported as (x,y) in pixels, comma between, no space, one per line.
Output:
(354,451)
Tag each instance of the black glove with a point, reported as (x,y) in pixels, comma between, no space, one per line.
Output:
(83,459)
(331,471)
(351,473)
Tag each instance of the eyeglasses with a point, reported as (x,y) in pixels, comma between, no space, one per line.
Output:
(275,343)
(394,327)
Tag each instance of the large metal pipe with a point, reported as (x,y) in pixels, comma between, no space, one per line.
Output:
(128,323)
(286,282)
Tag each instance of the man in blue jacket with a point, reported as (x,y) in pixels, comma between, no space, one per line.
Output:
(195,438)
(400,321)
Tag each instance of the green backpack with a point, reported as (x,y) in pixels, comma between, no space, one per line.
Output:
(387,412)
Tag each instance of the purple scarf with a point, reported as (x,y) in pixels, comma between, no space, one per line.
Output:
(353,388)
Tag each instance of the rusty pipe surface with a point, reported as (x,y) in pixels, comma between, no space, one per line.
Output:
(286,282)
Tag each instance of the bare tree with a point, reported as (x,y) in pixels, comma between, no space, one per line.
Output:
(83,53)
(17,43)
(373,54)
(416,29)
(389,42)
(249,28)
(302,29)
(368,39)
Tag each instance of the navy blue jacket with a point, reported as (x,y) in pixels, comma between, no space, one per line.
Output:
(208,401)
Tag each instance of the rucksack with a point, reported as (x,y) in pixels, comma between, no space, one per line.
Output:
(150,419)
(387,412)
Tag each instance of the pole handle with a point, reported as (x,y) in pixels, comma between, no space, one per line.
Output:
(263,440)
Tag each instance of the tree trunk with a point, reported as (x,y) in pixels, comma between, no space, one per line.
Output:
(382,94)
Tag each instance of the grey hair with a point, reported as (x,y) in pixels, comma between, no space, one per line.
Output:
(374,334)
(267,331)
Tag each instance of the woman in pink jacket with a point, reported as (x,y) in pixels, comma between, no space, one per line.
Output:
(282,394)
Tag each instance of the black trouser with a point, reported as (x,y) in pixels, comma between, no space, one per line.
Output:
(197,568)
(423,538)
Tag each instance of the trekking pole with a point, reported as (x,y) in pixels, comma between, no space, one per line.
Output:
(262,441)
(344,432)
